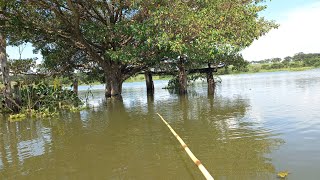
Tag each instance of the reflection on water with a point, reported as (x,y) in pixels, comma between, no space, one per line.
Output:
(20,141)
(249,130)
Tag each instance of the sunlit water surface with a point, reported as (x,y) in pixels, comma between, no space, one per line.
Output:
(255,126)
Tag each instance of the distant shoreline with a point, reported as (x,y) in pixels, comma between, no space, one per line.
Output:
(140,78)
(274,70)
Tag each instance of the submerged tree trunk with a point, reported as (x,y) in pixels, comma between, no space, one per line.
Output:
(149,83)
(5,72)
(182,75)
(211,83)
(182,79)
(114,81)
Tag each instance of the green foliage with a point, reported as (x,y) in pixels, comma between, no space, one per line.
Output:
(133,35)
(294,64)
(17,117)
(139,77)
(298,62)
(205,29)
(276,65)
(173,83)
(21,66)
(255,68)
(43,96)
(265,66)
(44,101)
(317,64)
(73,108)
(40,113)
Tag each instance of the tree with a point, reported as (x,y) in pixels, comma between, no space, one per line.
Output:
(207,30)
(286,61)
(125,37)
(299,56)
(276,60)
(60,59)
(21,48)
(3,60)
(110,32)
(235,60)
(21,66)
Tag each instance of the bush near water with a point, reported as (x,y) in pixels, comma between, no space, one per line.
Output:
(41,100)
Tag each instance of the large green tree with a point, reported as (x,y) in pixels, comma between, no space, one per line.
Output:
(126,36)
(207,30)
(110,32)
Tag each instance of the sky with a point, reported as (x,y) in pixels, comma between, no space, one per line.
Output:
(27,52)
(299,31)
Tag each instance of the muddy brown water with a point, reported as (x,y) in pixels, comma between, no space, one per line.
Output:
(255,126)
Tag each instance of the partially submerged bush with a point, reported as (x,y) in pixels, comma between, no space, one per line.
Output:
(42,100)
(173,83)
(43,96)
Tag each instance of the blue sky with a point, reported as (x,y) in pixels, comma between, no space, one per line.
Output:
(278,8)
(299,31)
(27,52)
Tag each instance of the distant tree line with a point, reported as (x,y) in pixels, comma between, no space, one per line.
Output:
(298,60)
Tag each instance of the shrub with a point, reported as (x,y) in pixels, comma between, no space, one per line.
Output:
(255,68)
(43,96)
(265,66)
(276,66)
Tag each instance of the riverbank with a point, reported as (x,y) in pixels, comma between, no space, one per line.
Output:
(254,69)
(261,68)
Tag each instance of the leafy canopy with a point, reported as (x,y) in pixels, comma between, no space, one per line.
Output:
(134,34)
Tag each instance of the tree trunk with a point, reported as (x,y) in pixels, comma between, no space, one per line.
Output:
(113,81)
(17,94)
(149,83)
(75,85)
(5,72)
(182,79)
(211,83)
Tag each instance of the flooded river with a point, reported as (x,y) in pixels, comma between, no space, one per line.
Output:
(255,126)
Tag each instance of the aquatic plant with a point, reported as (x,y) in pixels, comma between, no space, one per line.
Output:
(283,174)
(43,96)
(17,117)
(43,101)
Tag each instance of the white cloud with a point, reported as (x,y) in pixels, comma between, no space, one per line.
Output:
(299,32)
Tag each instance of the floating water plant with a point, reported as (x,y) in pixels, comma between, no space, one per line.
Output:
(74,109)
(17,117)
(283,174)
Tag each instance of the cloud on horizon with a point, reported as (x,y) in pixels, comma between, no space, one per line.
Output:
(299,31)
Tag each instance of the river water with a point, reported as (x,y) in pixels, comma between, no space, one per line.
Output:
(254,126)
